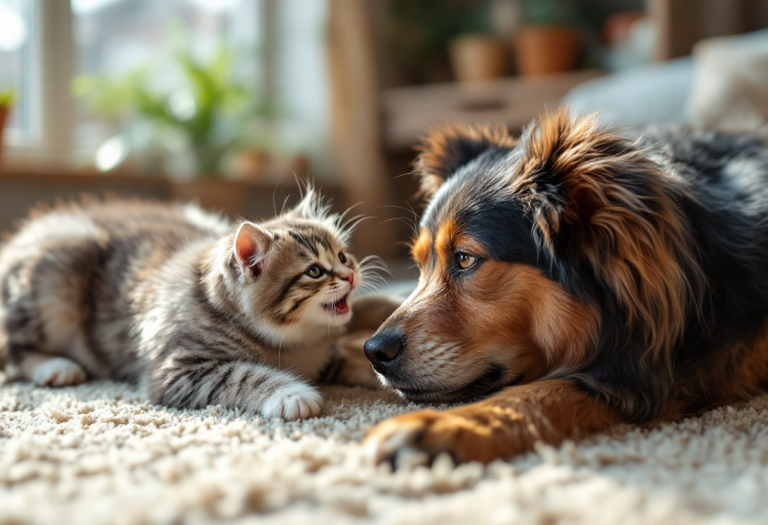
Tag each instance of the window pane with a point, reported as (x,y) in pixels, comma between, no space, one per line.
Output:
(116,37)
(18,63)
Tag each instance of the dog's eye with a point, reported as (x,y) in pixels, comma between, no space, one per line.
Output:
(314,271)
(465,260)
(342,258)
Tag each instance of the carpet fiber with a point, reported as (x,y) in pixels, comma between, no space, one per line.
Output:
(100,453)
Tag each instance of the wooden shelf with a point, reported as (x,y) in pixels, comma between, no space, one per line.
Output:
(409,112)
(21,190)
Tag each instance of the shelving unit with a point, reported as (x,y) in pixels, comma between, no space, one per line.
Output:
(24,189)
(408,112)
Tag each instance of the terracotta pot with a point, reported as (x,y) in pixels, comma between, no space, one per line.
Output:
(478,57)
(618,28)
(212,194)
(250,164)
(541,50)
(4,112)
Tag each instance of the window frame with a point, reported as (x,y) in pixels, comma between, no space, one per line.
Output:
(50,142)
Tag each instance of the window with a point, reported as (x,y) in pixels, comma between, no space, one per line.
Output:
(114,37)
(50,42)
(18,49)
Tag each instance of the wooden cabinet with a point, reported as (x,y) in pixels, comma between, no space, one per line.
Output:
(408,112)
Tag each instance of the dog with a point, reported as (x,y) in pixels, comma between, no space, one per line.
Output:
(576,278)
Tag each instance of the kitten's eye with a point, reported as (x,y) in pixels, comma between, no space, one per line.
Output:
(314,271)
(465,260)
(342,258)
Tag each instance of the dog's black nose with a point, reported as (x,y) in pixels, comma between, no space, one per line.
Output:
(383,348)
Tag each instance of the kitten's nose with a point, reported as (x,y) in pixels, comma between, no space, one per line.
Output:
(350,278)
(383,348)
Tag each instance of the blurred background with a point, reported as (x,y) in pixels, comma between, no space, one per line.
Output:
(226,102)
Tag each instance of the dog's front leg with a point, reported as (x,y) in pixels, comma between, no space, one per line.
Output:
(502,426)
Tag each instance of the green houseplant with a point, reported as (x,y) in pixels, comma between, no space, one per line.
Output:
(7,98)
(419,34)
(207,105)
(548,42)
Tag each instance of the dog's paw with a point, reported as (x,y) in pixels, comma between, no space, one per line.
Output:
(433,433)
(293,401)
(57,372)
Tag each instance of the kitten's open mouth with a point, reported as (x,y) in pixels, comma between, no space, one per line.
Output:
(340,307)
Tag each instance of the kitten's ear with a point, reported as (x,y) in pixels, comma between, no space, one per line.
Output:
(251,246)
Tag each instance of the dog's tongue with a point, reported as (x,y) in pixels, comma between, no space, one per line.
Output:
(341,307)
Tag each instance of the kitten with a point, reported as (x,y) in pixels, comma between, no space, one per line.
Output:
(195,309)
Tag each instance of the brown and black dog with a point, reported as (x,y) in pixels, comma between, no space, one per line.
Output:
(573,279)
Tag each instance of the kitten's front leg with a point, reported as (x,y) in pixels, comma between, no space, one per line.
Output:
(50,370)
(187,380)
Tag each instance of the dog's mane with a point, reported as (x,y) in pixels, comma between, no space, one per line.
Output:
(598,200)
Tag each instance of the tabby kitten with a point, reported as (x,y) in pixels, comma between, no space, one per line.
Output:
(195,309)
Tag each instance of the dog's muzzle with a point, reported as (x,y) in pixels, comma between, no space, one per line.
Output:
(384,350)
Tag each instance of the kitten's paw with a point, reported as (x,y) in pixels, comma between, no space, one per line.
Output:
(58,371)
(293,401)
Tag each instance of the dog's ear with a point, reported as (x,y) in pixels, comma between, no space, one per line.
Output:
(602,207)
(448,148)
(585,183)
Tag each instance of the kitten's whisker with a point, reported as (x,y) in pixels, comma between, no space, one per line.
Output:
(415,218)
(285,202)
(346,212)
(349,227)
(373,285)
(373,263)
(373,282)
(375,278)
(412,222)
(274,204)
(371,258)
(375,266)
(398,219)
(280,351)
(372,274)
(406,174)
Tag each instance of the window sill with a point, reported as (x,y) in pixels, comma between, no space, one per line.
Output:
(23,188)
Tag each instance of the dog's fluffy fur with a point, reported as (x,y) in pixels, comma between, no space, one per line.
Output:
(608,280)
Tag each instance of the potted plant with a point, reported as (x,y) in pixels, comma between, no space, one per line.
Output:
(476,57)
(200,118)
(6,101)
(547,43)
(206,106)
(421,35)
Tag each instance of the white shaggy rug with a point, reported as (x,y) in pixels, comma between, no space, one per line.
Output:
(99,453)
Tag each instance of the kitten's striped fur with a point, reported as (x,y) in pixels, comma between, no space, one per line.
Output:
(196,309)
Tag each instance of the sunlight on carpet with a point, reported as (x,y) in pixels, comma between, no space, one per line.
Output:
(100,453)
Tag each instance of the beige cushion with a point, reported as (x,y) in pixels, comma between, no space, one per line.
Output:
(730,80)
